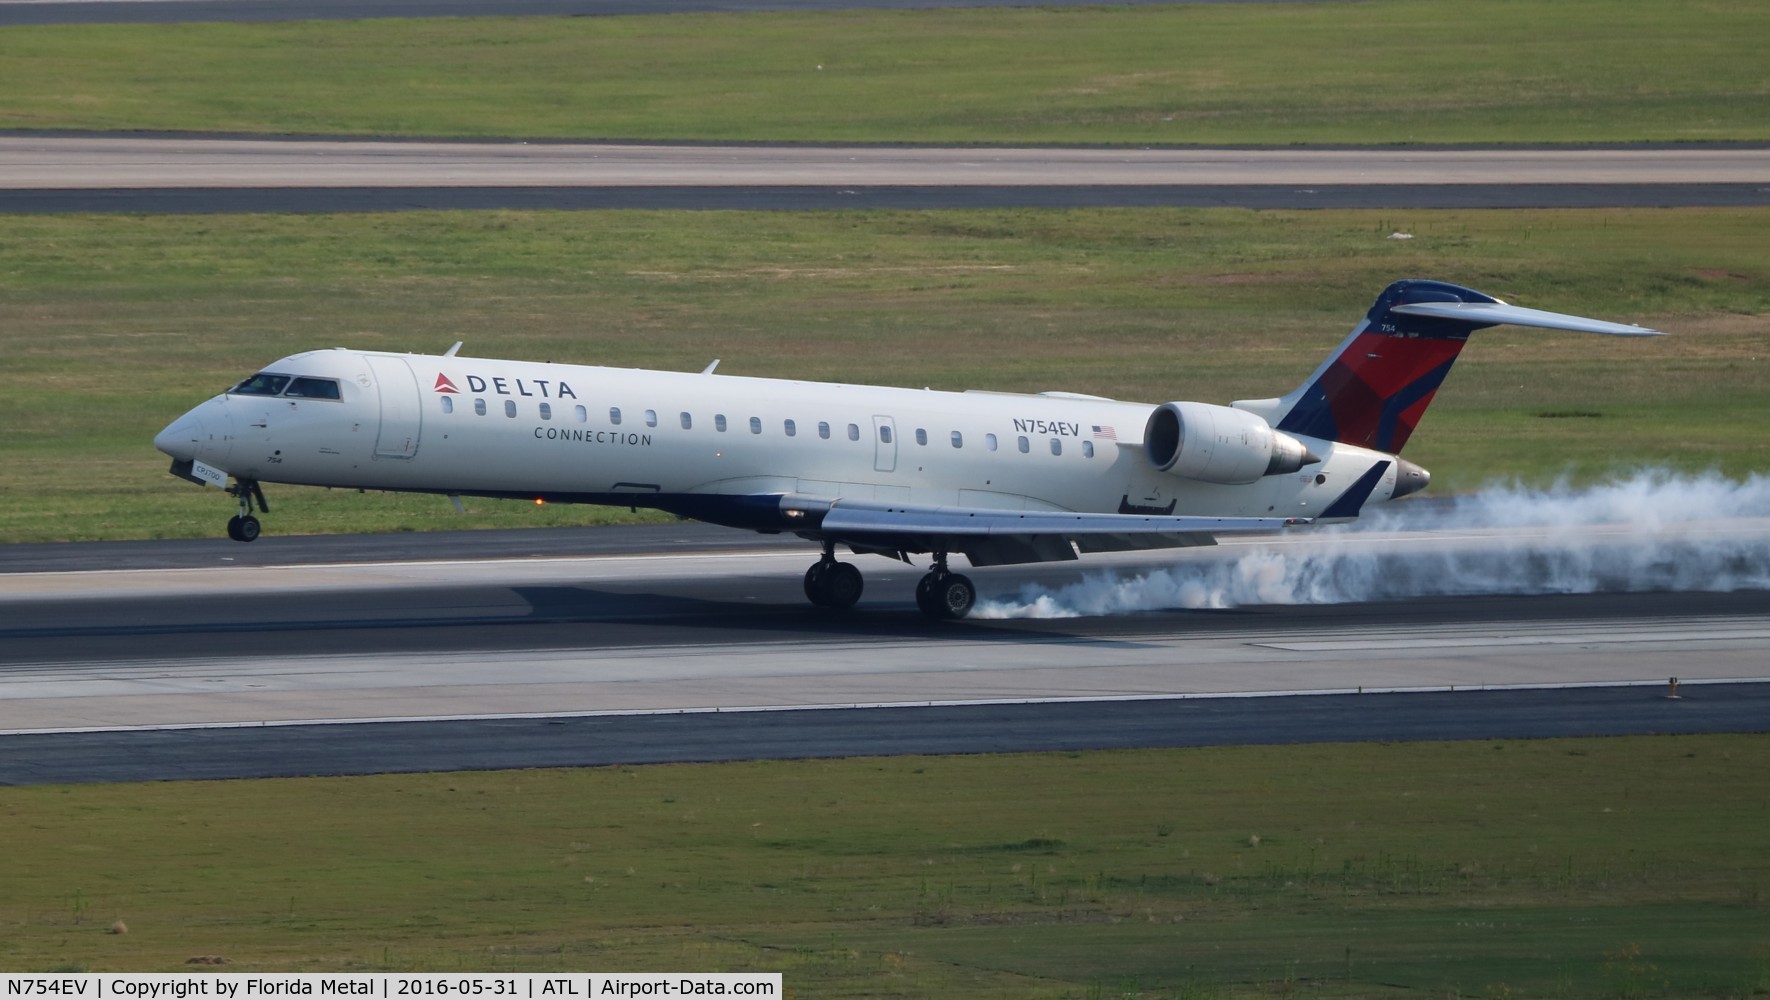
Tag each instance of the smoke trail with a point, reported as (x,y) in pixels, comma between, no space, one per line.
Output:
(1652,531)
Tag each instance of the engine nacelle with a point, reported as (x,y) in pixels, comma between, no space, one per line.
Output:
(1218,444)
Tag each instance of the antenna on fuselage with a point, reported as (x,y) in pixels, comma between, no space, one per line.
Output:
(709,369)
(451,351)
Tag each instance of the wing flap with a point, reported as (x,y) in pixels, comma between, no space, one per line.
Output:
(845,516)
(1006,537)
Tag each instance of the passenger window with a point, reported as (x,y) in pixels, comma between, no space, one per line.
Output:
(1025,445)
(958,440)
(791,428)
(510,407)
(989,442)
(651,418)
(854,432)
(921,436)
(479,407)
(719,422)
(261,384)
(448,404)
(546,411)
(823,429)
(755,425)
(1056,446)
(313,388)
(1087,449)
(582,414)
(885,433)
(614,415)
(687,421)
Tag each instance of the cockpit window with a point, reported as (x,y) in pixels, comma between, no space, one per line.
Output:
(261,384)
(313,388)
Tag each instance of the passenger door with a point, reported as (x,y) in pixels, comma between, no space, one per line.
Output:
(402,411)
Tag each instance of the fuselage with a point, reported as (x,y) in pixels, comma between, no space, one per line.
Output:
(707,445)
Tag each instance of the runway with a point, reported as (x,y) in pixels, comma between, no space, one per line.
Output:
(203,201)
(638,656)
(60,173)
(62,162)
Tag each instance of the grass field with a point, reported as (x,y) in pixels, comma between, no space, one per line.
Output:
(1381,71)
(1567,868)
(116,324)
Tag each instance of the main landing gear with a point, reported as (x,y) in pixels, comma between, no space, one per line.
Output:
(943,594)
(832,584)
(243,527)
(837,585)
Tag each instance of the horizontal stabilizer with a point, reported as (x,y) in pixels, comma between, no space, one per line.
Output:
(1496,313)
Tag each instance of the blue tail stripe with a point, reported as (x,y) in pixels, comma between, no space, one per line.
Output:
(1349,503)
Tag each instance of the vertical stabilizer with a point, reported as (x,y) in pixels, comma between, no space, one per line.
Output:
(1374,389)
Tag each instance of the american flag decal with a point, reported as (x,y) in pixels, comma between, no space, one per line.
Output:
(1106,433)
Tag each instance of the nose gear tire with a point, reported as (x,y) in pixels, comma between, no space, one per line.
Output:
(243,528)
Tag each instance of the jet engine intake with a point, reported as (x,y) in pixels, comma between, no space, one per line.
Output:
(1218,444)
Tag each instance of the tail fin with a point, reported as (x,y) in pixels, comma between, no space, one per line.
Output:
(1373,390)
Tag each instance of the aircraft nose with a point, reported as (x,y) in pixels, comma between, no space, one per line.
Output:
(181,437)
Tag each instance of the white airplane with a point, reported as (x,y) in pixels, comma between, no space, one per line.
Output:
(1000,477)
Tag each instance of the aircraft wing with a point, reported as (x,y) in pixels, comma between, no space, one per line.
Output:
(1003,537)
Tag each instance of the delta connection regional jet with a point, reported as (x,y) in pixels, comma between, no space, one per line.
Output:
(1000,477)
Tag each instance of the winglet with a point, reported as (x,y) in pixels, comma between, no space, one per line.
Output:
(451,351)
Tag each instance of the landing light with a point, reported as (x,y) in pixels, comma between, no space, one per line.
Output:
(539,501)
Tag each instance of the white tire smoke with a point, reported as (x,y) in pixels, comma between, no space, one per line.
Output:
(1651,531)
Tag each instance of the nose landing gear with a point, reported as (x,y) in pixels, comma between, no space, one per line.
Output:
(243,527)
(943,594)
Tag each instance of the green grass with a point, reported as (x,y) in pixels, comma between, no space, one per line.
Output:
(1594,868)
(116,324)
(1382,71)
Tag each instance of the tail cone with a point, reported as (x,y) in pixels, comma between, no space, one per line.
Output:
(1409,478)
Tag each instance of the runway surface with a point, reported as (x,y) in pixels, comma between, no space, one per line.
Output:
(387,666)
(24,12)
(198,201)
(61,173)
(50,162)
(699,737)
